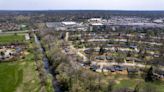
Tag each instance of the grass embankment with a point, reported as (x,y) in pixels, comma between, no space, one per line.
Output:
(10,38)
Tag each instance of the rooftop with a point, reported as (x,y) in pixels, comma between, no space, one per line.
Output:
(69,23)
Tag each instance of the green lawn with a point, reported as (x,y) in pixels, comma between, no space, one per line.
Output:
(126,84)
(4,39)
(10,76)
(29,57)
(131,83)
(19,76)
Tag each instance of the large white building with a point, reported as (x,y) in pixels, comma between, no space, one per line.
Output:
(69,23)
(67,26)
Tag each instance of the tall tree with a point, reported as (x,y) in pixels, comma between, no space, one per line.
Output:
(102,51)
(2,54)
(150,75)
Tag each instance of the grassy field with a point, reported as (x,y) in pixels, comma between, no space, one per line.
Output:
(4,39)
(131,83)
(11,76)
(19,76)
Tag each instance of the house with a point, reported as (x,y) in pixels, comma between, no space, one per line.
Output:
(87,63)
(132,71)
(95,20)
(134,47)
(96,24)
(114,68)
(97,27)
(88,51)
(18,50)
(109,58)
(159,73)
(66,50)
(119,68)
(94,67)
(132,60)
(97,50)
(7,54)
(156,55)
(100,57)
(109,68)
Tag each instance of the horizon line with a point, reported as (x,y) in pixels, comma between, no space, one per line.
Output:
(73,10)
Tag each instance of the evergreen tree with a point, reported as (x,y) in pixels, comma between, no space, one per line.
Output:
(102,51)
(150,76)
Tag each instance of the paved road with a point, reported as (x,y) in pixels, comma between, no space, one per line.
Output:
(13,32)
(125,40)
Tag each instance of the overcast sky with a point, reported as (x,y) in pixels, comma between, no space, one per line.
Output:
(81,4)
